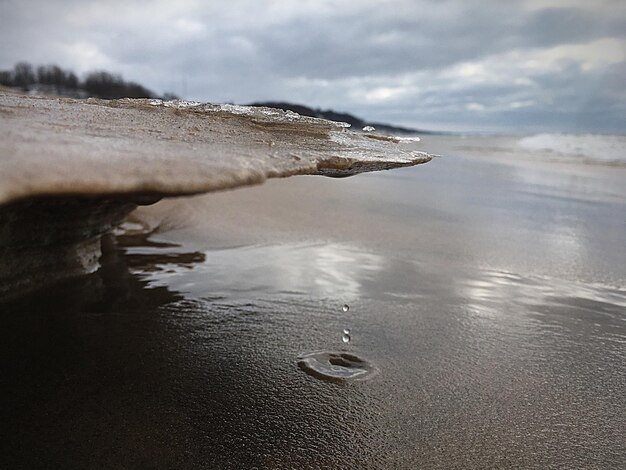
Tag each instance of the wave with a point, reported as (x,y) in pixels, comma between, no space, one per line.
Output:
(582,148)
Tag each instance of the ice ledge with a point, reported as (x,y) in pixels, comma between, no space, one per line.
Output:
(129,146)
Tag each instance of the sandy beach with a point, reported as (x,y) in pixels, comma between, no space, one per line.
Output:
(488,288)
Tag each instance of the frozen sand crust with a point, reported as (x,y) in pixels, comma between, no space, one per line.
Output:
(96,147)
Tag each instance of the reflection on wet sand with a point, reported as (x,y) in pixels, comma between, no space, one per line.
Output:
(330,271)
(156,358)
(111,369)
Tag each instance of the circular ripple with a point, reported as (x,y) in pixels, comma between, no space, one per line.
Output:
(335,366)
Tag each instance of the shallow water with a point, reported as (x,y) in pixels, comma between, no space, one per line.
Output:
(490,298)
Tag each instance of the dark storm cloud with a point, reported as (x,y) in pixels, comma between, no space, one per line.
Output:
(379,42)
(554,26)
(498,63)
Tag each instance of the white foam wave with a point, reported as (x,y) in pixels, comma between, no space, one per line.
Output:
(586,148)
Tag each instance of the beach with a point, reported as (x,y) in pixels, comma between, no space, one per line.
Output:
(487,288)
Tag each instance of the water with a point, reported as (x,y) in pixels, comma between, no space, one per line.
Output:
(576,149)
(336,367)
(345,308)
(491,294)
(589,148)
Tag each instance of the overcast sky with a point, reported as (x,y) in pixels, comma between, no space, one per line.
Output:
(533,65)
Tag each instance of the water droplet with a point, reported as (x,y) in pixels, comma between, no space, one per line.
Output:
(345,338)
(346,331)
(336,367)
(345,308)
(369,129)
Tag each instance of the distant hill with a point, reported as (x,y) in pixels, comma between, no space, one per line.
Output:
(356,122)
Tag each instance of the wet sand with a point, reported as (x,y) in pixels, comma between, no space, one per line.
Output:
(490,296)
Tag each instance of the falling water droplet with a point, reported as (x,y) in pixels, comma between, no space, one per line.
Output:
(345,308)
(369,129)
(345,338)
(346,331)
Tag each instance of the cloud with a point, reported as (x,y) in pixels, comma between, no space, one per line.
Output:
(411,62)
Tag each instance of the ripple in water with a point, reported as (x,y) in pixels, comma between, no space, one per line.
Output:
(337,367)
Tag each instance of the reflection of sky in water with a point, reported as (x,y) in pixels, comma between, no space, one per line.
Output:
(474,301)
(332,270)
(551,304)
(559,220)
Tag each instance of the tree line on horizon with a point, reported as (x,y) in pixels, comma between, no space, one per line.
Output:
(52,79)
